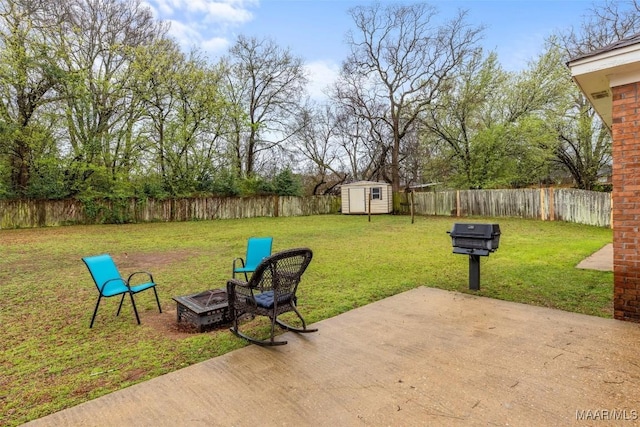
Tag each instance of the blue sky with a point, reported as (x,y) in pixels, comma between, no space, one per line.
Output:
(315,29)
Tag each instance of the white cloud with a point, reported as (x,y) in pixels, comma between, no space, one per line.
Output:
(226,12)
(204,24)
(164,7)
(215,45)
(322,74)
(220,11)
(185,35)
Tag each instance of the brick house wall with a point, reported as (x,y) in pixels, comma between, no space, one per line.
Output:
(626,201)
(610,79)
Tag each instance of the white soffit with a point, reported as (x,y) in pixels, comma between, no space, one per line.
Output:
(597,74)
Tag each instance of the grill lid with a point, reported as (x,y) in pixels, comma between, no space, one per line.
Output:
(473,230)
(475,239)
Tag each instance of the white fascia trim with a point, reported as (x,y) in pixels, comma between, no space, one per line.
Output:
(606,60)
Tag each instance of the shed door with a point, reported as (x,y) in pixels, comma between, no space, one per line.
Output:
(357,200)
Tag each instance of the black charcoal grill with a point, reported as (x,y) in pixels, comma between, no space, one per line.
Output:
(475,240)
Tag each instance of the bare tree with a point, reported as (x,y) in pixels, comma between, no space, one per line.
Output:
(609,22)
(400,60)
(360,141)
(584,144)
(266,83)
(316,140)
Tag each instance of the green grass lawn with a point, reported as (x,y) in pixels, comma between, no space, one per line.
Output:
(51,360)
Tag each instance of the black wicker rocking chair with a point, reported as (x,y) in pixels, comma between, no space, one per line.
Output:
(271,291)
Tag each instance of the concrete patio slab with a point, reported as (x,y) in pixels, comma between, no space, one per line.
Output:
(600,260)
(423,357)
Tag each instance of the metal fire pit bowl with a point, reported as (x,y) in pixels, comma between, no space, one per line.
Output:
(203,310)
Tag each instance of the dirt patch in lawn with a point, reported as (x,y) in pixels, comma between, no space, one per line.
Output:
(166,323)
(148,261)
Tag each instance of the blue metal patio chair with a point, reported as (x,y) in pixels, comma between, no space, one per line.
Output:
(110,283)
(258,248)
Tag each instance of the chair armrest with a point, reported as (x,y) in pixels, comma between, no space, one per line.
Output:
(241,262)
(243,287)
(238,291)
(140,272)
(113,280)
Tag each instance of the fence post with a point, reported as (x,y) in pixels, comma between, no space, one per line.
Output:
(412,208)
(611,210)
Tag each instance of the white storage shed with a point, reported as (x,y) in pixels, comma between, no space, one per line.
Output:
(360,196)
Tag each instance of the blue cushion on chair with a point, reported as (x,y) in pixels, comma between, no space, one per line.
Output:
(265,299)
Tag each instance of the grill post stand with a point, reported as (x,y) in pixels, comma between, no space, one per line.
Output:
(474,272)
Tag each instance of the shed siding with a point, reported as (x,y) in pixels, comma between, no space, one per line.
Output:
(352,193)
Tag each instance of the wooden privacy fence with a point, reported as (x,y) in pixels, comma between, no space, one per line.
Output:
(579,206)
(45,213)
(547,204)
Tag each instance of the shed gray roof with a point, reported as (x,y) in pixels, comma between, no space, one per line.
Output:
(366,183)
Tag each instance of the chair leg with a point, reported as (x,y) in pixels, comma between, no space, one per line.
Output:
(233,313)
(236,331)
(157,300)
(120,306)
(135,310)
(293,328)
(95,311)
(273,329)
(234,318)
